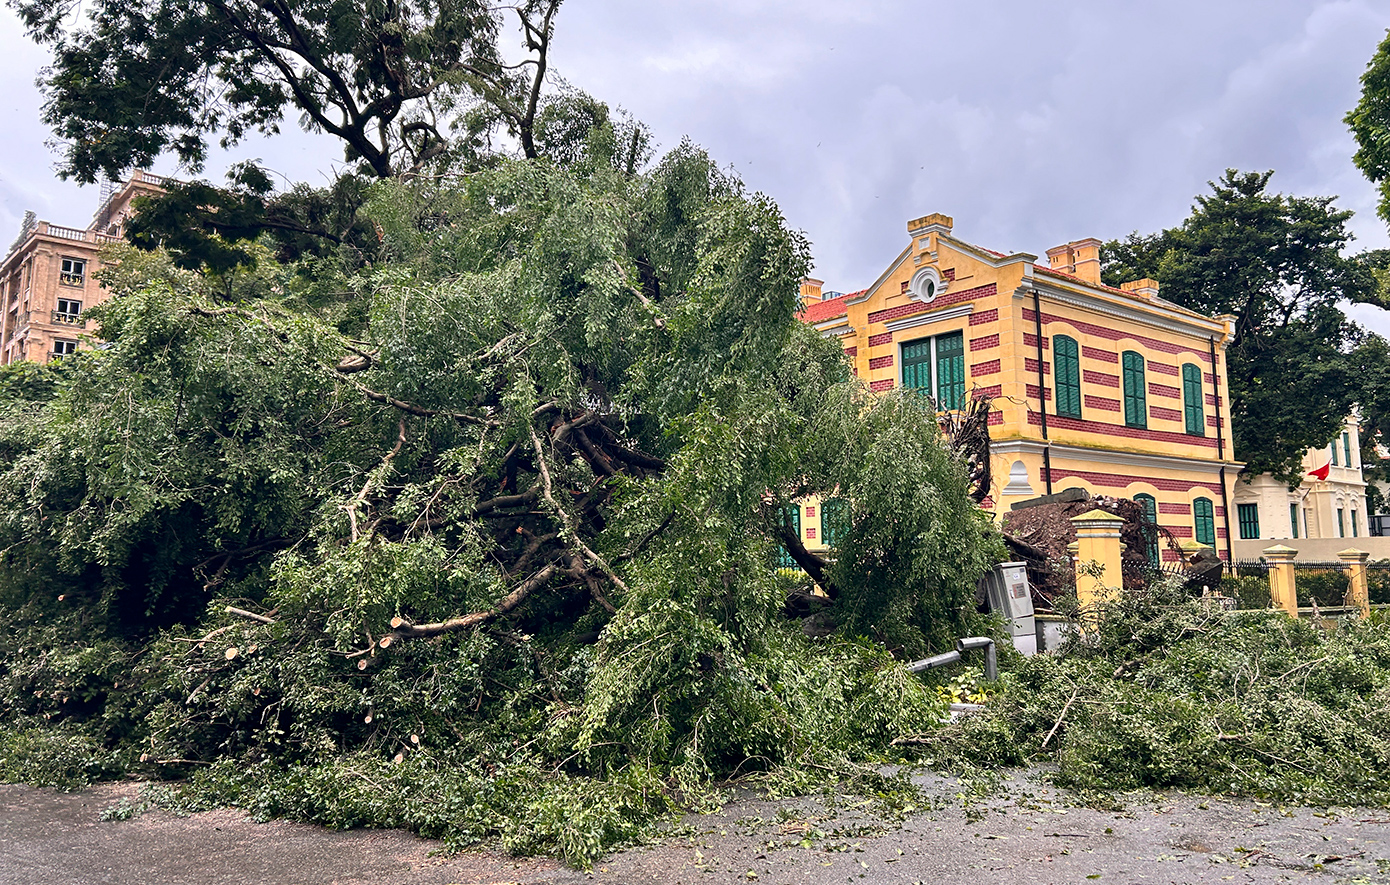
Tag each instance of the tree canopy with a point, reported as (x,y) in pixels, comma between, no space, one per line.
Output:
(1275,263)
(1370,124)
(400,83)
(522,510)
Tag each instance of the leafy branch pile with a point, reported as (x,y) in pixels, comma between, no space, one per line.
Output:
(478,536)
(1175,693)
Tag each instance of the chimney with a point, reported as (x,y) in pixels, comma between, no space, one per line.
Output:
(1145,288)
(1080,258)
(811,291)
(1086,254)
(1059,258)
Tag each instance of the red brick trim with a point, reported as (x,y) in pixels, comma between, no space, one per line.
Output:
(984,316)
(905,285)
(1115,334)
(949,273)
(852,351)
(1096,353)
(1031,340)
(1129,432)
(881,362)
(991,391)
(1031,365)
(1100,378)
(996,418)
(1031,391)
(1165,414)
(984,343)
(1180,531)
(880,338)
(1208,378)
(1164,390)
(881,385)
(1211,400)
(1105,404)
(989,368)
(1161,368)
(1121,480)
(1184,509)
(906,310)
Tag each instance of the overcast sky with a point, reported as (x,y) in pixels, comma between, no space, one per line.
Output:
(1031,123)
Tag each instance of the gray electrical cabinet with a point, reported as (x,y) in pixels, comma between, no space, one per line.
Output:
(1010,595)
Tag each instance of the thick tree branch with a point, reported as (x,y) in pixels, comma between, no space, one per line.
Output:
(405,630)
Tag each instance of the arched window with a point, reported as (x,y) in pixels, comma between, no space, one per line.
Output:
(1151,530)
(1192,397)
(1136,403)
(1066,373)
(1204,522)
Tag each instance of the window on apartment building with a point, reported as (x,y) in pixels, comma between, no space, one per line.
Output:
(1346,446)
(834,521)
(1204,522)
(1151,530)
(1293,520)
(1192,397)
(68,307)
(1341,523)
(937,366)
(1249,515)
(1136,403)
(62,348)
(791,516)
(73,272)
(1066,375)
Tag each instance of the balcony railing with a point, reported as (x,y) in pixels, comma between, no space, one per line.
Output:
(72,279)
(69,319)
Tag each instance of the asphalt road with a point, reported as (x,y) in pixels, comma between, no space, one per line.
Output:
(1026,834)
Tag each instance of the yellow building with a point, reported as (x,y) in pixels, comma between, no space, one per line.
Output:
(47,279)
(1114,391)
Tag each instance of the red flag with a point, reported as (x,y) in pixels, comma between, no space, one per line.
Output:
(1321,473)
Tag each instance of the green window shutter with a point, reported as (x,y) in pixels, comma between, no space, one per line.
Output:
(1293,520)
(950,371)
(1151,530)
(834,521)
(1136,402)
(1346,446)
(917,365)
(1204,522)
(1334,453)
(1249,515)
(791,513)
(1192,400)
(1341,523)
(1066,376)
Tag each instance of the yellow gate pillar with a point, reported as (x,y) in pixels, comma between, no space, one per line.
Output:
(1098,566)
(1282,590)
(1360,592)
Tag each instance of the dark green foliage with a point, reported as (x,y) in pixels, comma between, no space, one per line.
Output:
(1273,262)
(1370,124)
(1181,694)
(131,80)
(508,505)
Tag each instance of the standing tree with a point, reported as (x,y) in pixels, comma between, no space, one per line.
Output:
(132,79)
(1370,124)
(1275,263)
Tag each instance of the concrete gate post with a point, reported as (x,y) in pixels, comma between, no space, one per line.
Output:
(1283,592)
(1098,565)
(1360,592)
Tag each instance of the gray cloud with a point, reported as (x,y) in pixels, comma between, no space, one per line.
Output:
(1031,123)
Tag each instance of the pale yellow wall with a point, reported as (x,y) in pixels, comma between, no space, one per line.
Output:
(1161,459)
